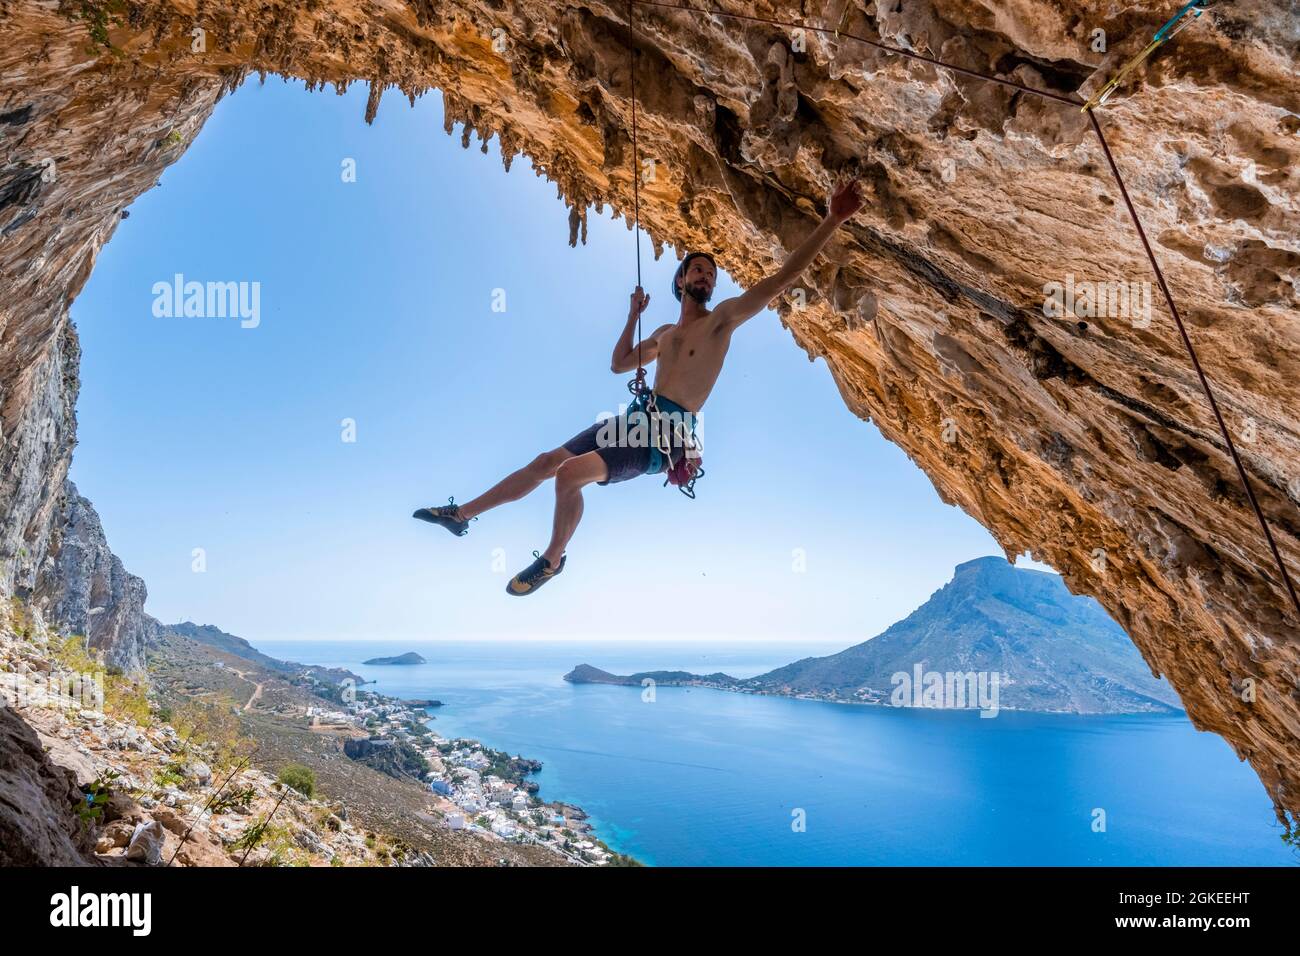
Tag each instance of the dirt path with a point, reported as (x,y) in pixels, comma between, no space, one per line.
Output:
(257,689)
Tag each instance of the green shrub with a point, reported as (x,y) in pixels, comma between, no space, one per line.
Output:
(96,796)
(124,697)
(171,774)
(300,778)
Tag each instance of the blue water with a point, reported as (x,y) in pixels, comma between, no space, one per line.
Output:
(700,777)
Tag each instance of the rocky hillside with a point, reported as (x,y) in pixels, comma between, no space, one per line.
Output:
(159,797)
(1081,435)
(216,638)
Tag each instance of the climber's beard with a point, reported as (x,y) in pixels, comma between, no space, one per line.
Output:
(699,291)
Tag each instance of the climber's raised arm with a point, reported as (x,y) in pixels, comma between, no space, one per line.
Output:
(845,201)
(625,352)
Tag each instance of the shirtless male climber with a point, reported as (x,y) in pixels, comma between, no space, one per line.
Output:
(690,353)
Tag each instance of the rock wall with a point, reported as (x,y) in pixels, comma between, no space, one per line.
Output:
(82,587)
(1082,438)
(38,394)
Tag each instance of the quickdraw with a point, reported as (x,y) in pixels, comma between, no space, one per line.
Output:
(1173,26)
(683,471)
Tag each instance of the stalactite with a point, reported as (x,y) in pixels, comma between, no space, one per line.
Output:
(508,147)
(575,221)
(450,112)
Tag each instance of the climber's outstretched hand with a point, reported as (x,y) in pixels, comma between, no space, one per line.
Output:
(845,201)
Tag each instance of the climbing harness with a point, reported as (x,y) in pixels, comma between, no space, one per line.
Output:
(1186,15)
(1175,25)
(685,470)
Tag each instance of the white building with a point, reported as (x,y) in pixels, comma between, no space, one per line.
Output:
(504,829)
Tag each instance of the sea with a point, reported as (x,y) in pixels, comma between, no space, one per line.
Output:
(700,777)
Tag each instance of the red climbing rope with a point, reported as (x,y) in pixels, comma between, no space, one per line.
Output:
(637,386)
(713,10)
(1196,364)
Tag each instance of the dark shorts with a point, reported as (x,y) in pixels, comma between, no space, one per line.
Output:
(616,440)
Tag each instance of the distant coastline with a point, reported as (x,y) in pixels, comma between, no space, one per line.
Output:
(587,674)
(995,637)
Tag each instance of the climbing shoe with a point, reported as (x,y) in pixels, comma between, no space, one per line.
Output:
(447,515)
(534,576)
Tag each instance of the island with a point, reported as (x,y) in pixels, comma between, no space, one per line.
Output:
(410,657)
(995,637)
(586,674)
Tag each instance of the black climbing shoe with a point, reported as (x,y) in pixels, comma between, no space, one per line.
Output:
(445,515)
(534,576)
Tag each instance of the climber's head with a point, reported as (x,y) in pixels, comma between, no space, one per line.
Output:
(696,277)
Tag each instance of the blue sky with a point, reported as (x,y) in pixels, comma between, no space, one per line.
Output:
(376,306)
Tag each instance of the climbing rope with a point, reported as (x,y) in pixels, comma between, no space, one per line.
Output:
(1196,364)
(714,10)
(637,386)
(683,473)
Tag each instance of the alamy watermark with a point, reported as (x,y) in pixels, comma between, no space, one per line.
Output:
(1086,299)
(665,429)
(946,690)
(68,690)
(77,909)
(208,300)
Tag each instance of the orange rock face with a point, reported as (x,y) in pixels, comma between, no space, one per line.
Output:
(992,311)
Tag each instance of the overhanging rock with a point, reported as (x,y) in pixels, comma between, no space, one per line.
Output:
(1080,436)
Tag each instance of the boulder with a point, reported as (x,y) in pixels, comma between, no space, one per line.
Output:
(39,825)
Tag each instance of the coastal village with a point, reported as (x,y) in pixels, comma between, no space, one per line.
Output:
(476,789)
